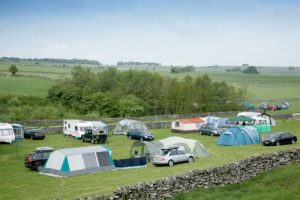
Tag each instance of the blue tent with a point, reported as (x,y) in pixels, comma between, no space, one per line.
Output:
(236,136)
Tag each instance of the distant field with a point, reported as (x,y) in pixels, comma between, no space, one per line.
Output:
(274,84)
(24,86)
(15,177)
(281,183)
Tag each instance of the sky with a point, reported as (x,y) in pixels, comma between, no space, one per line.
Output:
(170,32)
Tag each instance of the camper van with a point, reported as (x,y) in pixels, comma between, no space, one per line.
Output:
(75,128)
(6,133)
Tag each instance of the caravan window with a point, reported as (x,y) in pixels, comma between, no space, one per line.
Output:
(176,124)
(0,132)
(76,128)
(84,128)
(69,126)
(6,132)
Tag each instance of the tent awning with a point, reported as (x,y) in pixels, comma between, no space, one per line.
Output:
(241,118)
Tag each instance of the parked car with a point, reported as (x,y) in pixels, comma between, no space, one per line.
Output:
(172,155)
(93,137)
(139,135)
(279,139)
(38,158)
(211,130)
(34,134)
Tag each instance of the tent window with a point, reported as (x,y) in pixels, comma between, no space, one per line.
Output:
(90,160)
(103,159)
(176,124)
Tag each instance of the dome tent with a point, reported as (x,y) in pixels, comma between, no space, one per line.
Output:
(126,124)
(82,160)
(236,136)
(150,149)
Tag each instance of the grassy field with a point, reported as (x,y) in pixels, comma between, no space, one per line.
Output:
(16,180)
(277,184)
(24,86)
(276,83)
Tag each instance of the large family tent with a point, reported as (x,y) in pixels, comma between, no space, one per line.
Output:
(187,125)
(126,124)
(150,149)
(82,160)
(236,136)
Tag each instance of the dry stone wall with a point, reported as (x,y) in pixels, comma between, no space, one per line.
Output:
(235,172)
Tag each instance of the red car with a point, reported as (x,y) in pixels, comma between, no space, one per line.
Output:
(38,158)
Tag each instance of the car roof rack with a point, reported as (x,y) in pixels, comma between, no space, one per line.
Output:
(44,149)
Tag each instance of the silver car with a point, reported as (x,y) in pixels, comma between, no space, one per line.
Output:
(172,155)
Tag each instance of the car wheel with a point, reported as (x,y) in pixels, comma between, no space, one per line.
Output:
(191,159)
(93,141)
(31,137)
(277,143)
(170,163)
(39,167)
(82,139)
(293,141)
(142,139)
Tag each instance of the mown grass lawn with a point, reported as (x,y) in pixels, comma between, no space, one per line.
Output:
(17,182)
(277,184)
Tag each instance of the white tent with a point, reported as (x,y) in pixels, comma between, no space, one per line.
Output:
(74,161)
(126,124)
(150,149)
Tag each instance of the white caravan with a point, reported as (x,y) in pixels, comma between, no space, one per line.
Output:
(6,133)
(75,128)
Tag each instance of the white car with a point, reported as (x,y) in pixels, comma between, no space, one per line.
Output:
(172,155)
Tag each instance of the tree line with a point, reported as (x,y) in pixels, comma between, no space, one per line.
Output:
(53,60)
(113,93)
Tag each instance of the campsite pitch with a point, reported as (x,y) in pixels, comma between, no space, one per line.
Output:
(17,181)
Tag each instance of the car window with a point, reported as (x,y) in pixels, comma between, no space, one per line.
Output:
(274,136)
(37,156)
(286,135)
(164,152)
(181,152)
(173,152)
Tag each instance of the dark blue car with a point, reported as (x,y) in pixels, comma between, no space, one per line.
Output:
(139,135)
